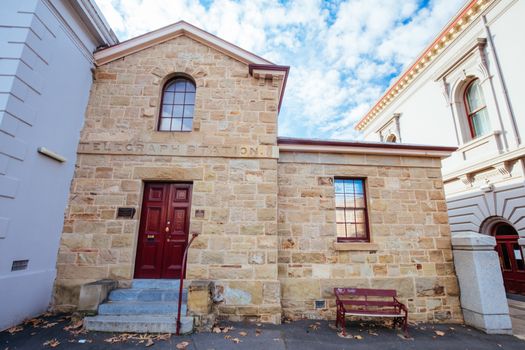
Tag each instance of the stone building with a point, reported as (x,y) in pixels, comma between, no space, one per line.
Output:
(181,137)
(465,91)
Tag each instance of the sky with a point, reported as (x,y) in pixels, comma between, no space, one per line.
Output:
(343,54)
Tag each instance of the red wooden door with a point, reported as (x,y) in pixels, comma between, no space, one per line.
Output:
(511,258)
(163,232)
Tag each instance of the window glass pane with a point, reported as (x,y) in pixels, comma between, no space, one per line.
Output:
(358,185)
(349,186)
(360,230)
(180,85)
(190,87)
(340,215)
(166,111)
(475,98)
(359,216)
(165,124)
(341,230)
(179,98)
(177,111)
(190,98)
(168,98)
(520,264)
(350,230)
(187,124)
(170,87)
(480,122)
(176,124)
(350,215)
(188,111)
(339,200)
(339,186)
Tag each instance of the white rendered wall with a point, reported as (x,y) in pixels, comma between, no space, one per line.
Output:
(45,80)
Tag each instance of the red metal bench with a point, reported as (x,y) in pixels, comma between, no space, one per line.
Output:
(370,303)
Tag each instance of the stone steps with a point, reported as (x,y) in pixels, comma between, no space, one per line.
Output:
(146,295)
(138,324)
(140,308)
(149,306)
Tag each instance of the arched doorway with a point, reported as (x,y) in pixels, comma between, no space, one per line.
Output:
(510,256)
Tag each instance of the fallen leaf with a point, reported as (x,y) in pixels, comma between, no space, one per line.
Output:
(74,325)
(440,333)
(149,343)
(182,345)
(49,325)
(243,334)
(258,332)
(236,340)
(345,336)
(227,336)
(314,326)
(358,337)
(52,343)
(331,325)
(402,336)
(15,329)
(373,333)
(216,330)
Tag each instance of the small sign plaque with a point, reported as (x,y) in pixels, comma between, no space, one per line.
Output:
(126,213)
(199,213)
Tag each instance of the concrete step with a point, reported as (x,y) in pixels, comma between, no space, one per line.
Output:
(155,284)
(140,308)
(147,295)
(138,324)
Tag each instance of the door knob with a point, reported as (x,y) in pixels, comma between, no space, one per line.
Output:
(167,229)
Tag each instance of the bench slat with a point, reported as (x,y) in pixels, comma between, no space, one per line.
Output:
(368,302)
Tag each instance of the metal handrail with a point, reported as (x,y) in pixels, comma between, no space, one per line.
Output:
(182,275)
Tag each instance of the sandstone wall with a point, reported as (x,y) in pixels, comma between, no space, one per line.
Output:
(230,157)
(410,246)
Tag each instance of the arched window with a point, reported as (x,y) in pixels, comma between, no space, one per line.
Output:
(476,109)
(178,103)
(391,138)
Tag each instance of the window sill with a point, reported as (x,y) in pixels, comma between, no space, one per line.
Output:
(355,246)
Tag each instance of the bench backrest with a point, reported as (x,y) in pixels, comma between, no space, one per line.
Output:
(366,292)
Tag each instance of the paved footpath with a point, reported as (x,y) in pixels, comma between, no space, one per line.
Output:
(48,333)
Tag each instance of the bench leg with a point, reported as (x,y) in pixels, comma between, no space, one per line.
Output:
(405,325)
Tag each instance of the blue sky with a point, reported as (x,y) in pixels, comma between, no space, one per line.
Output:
(343,53)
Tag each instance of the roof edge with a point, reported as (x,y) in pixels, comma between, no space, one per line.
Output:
(96,20)
(169,32)
(315,145)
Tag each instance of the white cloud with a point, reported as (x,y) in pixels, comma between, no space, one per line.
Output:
(342,53)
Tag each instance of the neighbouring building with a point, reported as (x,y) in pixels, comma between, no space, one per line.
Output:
(45,77)
(465,91)
(181,137)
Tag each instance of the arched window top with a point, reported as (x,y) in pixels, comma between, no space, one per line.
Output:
(476,109)
(391,138)
(178,104)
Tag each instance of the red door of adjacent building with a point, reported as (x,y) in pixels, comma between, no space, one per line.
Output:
(511,258)
(163,232)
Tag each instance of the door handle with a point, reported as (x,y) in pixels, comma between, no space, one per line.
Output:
(167,229)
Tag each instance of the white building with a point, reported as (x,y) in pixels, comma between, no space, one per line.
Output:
(466,90)
(46,59)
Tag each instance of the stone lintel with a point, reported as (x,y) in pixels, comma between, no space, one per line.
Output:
(472,241)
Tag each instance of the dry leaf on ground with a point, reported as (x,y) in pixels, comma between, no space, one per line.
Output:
(358,337)
(243,334)
(347,336)
(52,343)
(258,332)
(216,330)
(15,329)
(149,342)
(440,333)
(74,325)
(236,340)
(182,345)
(49,325)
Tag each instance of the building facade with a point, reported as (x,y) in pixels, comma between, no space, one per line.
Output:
(181,137)
(45,78)
(465,91)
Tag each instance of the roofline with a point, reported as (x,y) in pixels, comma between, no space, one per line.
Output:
(285,69)
(335,146)
(447,35)
(171,31)
(94,18)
